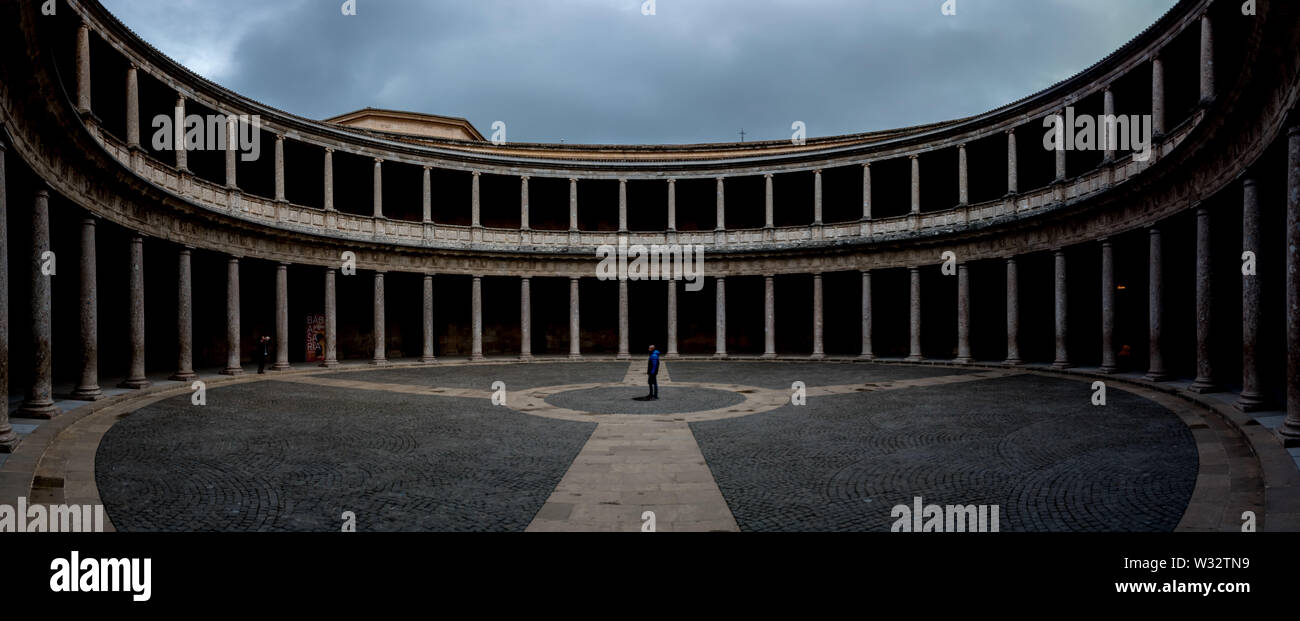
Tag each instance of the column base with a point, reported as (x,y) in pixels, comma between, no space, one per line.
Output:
(866,357)
(43,409)
(9,441)
(1250,402)
(135,383)
(575,356)
(1289,434)
(963,360)
(817,356)
(280,366)
(183,376)
(672,354)
(428,358)
(1156,376)
(623,356)
(722,355)
(1062,364)
(330,364)
(476,358)
(1108,369)
(232,371)
(87,393)
(379,362)
(525,357)
(1201,386)
(771,355)
(1013,362)
(914,358)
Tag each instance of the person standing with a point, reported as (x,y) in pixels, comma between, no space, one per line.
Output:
(263,352)
(652,371)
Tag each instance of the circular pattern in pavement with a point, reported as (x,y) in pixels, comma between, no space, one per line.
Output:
(622,400)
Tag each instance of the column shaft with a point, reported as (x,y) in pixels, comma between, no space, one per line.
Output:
(573,205)
(1207,60)
(377,196)
(1252,397)
(426,196)
(88,389)
(819,351)
(1109,140)
(232,153)
(525,320)
(184,317)
(622,321)
(233,366)
(868,352)
(381,337)
(137,378)
(769,214)
(475,199)
(916,184)
(132,107)
(720,334)
(83,68)
(329,179)
(722,205)
(476,304)
(672,318)
(672,204)
(817,197)
(1155,308)
(178,141)
(1205,380)
(1062,313)
(575,332)
(427,354)
(1290,429)
(963,178)
(1157,97)
(622,205)
(1108,364)
(523,203)
(8,438)
(963,313)
(769,317)
(1013,313)
(331,320)
(1013,168)
(279,168)
(915,318)
(281,317)
(866,191)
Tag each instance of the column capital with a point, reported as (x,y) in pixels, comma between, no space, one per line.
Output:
(521,177)
(329,149)
(279,137)
(767,176)
(43,193)
(378,161)
(1294,129)
(89,220)
(477,173)
(283,265)
(1010,132)
(817,171)
(961,146)
(672,180)
(913,156)
(573,179)
(866,164)
(1249,180)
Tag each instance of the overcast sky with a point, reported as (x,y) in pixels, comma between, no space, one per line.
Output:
(599,71)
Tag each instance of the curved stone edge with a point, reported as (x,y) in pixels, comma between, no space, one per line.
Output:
(55,464)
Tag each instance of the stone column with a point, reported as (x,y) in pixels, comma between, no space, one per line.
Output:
(233,366)
(817,197)
(963,178)
(184,317)
(1109,141)
(381,337)
(1155,308)
(232,153)
(769,317)
(622,205)
(963,314)
(135,293)
(83,68)
(1252,397)
(525,320)
(722,205)
(178,141)
(916,183)
(475,199)
(331,321)
(672,318)
(8,439)
(1207,60)
(672,204)
(1013,313)
(1108,364)
(279,168)
(622,321)
(132,107)
(767,203)
(575,333)
(1060,157)
(426,195)
(427,355)
(915,322)
(476,303)
(523,203)
(573,205)
(866,191)
(1205,380)
(819,347)
(88,389)
(1290,429)
(721,315)
(281,317)
(329,179)
(1013,168)
(378,191)
(39,402)
(1157,97)
(1062,313)
(868,352)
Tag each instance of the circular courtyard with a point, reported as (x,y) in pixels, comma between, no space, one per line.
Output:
(735,445)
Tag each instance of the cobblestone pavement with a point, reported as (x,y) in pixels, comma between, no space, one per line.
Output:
(276,456)
(1033,445)
(425,449)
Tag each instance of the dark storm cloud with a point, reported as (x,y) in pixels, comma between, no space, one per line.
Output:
(599,71)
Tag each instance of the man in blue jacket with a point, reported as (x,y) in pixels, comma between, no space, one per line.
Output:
(653,371)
